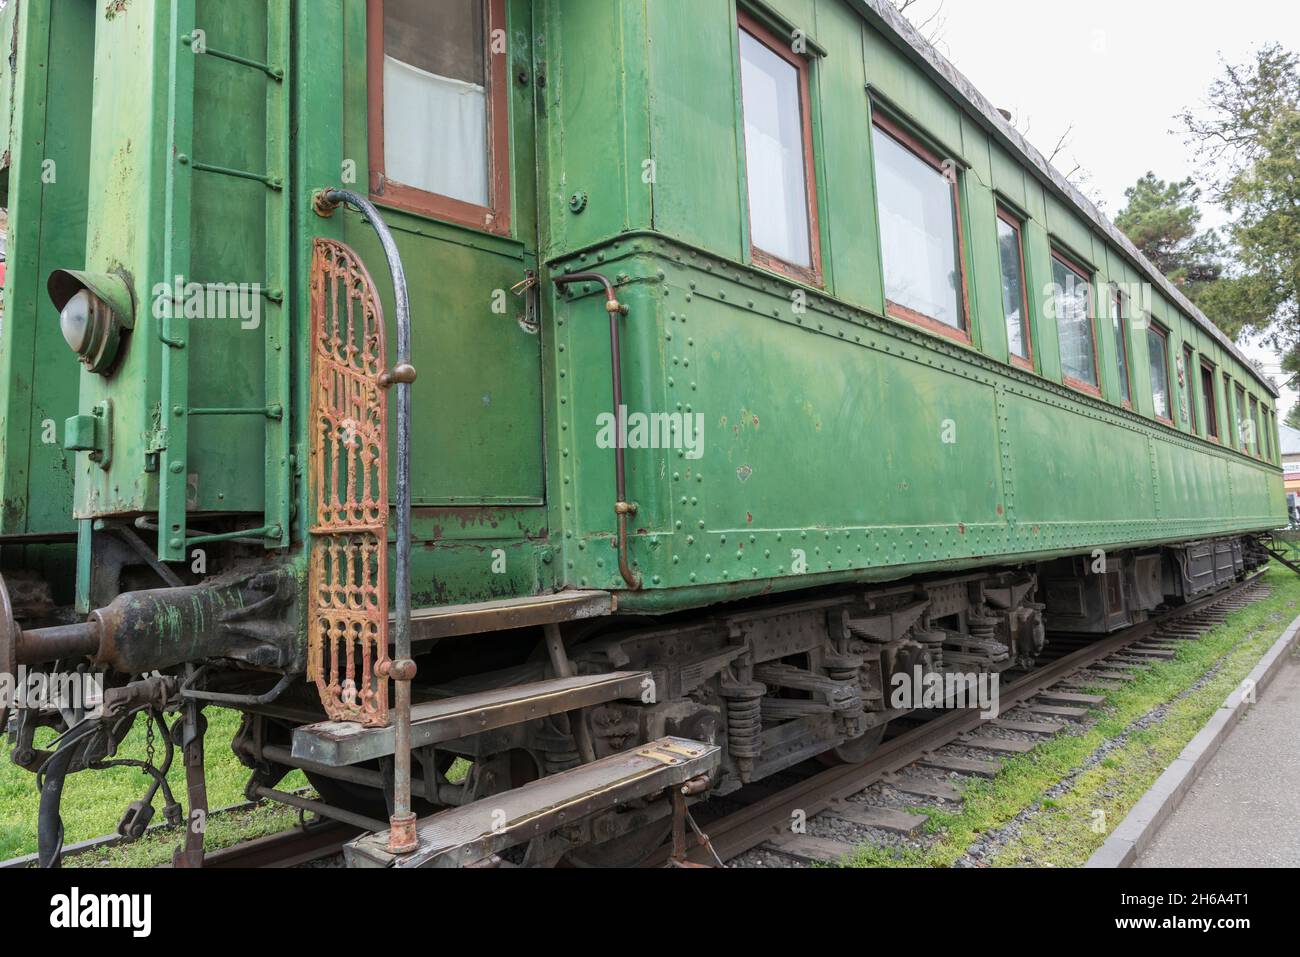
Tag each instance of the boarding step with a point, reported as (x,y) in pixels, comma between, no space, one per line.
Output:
(465,836)
(339,743)
(450,621)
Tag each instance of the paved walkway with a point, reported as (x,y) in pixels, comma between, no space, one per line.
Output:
(1244,809)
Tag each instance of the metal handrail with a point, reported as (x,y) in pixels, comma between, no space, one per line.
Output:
(402,837)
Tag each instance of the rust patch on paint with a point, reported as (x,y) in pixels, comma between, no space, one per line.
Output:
(114,8)
(1001,510)
(961,528)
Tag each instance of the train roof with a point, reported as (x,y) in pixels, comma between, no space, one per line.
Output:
(883,15)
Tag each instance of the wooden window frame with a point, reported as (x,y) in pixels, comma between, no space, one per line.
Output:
(1018,225)
(922,152)
(811,276)
(1163,333)
(1211,402)
(1189,360)
(494,218)
(1117,301)
(1088,277)
(1268,441)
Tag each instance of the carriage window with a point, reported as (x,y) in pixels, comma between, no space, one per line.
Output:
(438,110)
(1230,433)
(1158,360)
(1188,357)
(1207,402)
(778,153)
(1254,426)
(1073,307)
(1244,436)
(1121,345)
(1015,303)
(919,233)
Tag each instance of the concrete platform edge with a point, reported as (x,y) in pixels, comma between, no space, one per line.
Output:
(1143,822)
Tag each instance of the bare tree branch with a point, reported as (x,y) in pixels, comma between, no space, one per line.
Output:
(1061,144)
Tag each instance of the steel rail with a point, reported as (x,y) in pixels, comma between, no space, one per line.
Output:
(736,833)
(286,849)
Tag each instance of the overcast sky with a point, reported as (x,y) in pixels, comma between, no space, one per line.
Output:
(1120,71)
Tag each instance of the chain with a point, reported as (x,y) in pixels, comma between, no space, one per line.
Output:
(148,740)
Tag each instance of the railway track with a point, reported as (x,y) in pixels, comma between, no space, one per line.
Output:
(301,847)
(1032,708)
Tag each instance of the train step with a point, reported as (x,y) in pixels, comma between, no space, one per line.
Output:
(468,835)
(449,621)
(340,743)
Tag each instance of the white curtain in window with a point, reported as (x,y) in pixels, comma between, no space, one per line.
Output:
(435,133)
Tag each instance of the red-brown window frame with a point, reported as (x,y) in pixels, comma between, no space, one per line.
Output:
(1117,300)
(1163,333)
(493,218)
(1211,402)
(1189,360)
(1088,276)
(812,276)
(928,156)
(1018,226)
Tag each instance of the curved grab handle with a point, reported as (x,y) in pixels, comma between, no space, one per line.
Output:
(402,834)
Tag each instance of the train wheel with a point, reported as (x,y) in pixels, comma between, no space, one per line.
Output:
(347,796)
(855,751)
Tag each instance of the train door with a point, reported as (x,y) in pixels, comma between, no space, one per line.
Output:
(449,144)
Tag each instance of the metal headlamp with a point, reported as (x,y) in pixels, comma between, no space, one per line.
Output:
(95,309)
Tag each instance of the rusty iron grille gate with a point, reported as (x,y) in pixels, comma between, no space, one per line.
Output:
(348,578)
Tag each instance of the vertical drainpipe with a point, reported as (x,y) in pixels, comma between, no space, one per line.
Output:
(402,835)
(622,507)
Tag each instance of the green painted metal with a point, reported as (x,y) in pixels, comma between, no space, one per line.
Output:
(838,445)
(46,151)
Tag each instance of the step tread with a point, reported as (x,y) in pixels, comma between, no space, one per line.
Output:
(464,836)
(447,621)
(337,743)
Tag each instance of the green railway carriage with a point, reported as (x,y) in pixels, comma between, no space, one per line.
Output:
(755,359)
